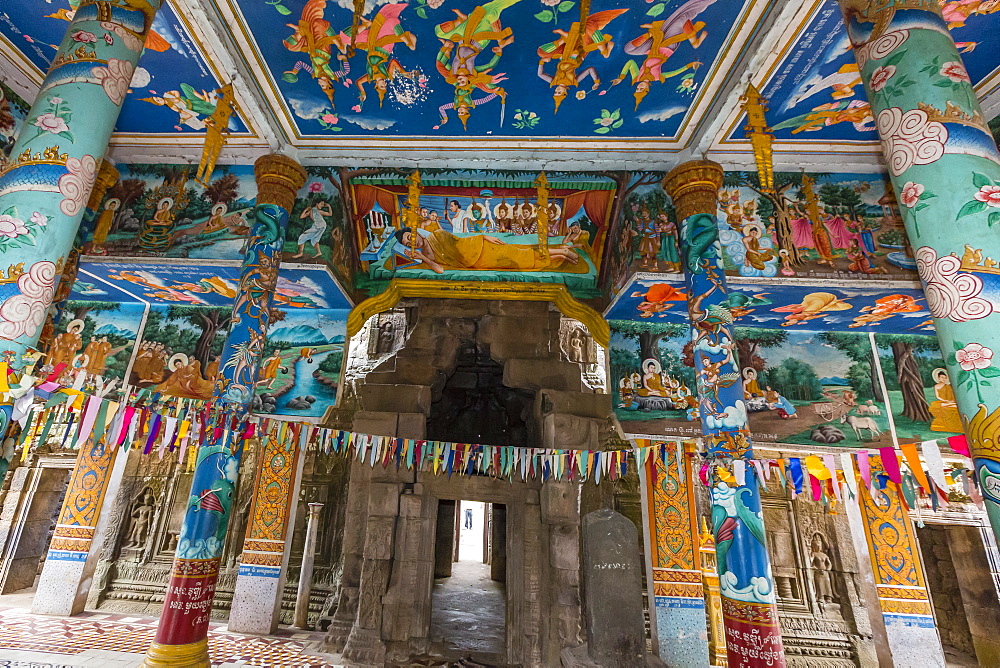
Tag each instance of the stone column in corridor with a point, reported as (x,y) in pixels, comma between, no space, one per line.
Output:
(46,183)
(678,595)
(182,634)
(899,576)
(945,168)
(260,581)
(753,637)
(306,572)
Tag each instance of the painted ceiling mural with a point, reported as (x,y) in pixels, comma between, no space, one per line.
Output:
(173,89)
(815,90)
(793,305)
(517,68)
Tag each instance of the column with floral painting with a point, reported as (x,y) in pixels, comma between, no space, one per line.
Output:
(46,182)
(182,633)
(945,168)
(750,613)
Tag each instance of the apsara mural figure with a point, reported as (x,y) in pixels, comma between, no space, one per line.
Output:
(378,37)
(659,43)
(571,49)
(462,41)
(314,38)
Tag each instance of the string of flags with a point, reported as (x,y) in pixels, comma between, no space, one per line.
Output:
(161,424)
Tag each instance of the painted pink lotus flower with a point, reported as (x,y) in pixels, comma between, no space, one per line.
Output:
(550,3)
(329,118)
(881,76)
(989,194)
(39,218)
(109,39)
(55,100)
(356,108)
(956,72)
(434,4)
(315,187)
(50,123)
(84,36)
(11,227)
(974,356)
(911,194)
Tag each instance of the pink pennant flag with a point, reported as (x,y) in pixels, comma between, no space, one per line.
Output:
(831,466)
(760,472)
(959,444)
(89,417)
(847,462)
(865,468)
(891,464)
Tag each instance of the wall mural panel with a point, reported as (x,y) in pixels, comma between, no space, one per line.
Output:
(303,357)
(482,226)
(160,211)
(162,328)
(815,91)
(803,387)
(13,111)
(172,90)
(505,68)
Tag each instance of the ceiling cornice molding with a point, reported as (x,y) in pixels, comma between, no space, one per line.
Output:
(778,25)
(208,28)
(19,73)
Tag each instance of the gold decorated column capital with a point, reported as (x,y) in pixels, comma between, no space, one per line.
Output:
(279,179)
(694,187)
(107,176)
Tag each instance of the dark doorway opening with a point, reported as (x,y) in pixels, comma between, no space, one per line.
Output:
(468,606)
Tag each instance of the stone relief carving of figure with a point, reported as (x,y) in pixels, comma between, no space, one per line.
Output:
(386,337)
(142,518)
(822,565)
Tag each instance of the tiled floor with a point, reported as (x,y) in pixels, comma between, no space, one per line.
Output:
(119,641)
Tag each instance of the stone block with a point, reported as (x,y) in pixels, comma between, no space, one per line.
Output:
(395,398)
(453,308)
(411,425)
(383,499)
(519,309)
(564,543)
(522,337)
(560,503)
(380,540)
(410,506)
(581,404)
(380,423)
(560,430)
(535,374)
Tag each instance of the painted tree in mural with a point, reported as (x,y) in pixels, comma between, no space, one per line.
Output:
(863,373)
(80,308)
(223,189)
(777,204)
(210,321)
(751,340)
(649,335)
(911,383)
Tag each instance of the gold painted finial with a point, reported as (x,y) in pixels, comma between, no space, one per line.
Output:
(759,133)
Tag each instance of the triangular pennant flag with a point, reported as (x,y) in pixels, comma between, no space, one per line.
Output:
(891,464)
(959,444)
(847,463)
(935,464)
(916,467)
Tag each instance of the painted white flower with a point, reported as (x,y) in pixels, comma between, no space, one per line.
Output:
(11,227)
(956,72)
(39,218)
(974,356)
(50,123)
(910,196)
(989,194)
(881,76)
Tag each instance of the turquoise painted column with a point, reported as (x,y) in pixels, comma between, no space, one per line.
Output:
(945,168)
(45,185)
(182,634)
(753,637)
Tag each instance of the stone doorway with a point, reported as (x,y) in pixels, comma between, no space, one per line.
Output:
(467,371)
(30,510)
(468,606)
(963,589)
